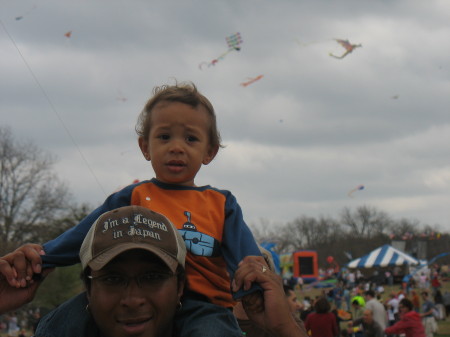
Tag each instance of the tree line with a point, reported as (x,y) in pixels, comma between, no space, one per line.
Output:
(353,234)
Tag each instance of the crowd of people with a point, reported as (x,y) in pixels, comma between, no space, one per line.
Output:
(362,307)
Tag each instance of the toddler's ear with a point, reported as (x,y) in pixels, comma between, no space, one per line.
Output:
(144,146)
(210,155)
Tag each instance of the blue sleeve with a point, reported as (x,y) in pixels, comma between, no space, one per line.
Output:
(65,249)
(238,241)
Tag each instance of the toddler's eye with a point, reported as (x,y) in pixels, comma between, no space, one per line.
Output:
(164,137)
(191,139)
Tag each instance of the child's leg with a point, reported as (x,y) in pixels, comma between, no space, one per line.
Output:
(201,318)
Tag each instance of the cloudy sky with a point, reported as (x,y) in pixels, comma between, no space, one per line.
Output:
(297,141)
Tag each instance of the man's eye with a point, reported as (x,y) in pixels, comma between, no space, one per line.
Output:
(112,279)
(151,277)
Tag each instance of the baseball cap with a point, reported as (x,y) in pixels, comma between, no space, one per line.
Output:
(132,227)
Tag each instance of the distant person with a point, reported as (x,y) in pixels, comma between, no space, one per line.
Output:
(415,300)
(377,308)
(435,283)
(446,300)
(370,328)
(410,322)
(392,309)
(439,304)
(321,322)
(428,320)
(357,310)
(423,280)
(13,327)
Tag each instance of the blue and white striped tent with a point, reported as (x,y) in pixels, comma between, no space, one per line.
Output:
(382,257)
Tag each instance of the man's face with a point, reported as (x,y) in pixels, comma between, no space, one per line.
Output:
(136,295)
(402,309)
(294,304)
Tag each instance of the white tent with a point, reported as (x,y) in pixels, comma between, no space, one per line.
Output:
(382,257)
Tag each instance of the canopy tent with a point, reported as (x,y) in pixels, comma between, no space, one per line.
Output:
(383,257)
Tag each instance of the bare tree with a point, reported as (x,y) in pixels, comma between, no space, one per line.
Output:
(30,192)
(307,232)
(402,227)
(365,222)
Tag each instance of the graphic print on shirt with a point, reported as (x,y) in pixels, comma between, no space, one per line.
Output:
(196,242)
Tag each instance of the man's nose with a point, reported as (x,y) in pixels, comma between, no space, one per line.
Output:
(133,295)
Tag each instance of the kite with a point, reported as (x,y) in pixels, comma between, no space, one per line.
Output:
(357,188)
(20,17)
(68,34)
(251,80)
(348,48)
(234,43)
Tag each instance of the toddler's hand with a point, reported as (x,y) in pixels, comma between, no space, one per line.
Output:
(19,266)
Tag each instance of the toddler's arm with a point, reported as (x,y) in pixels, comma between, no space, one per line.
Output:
(238,242)
(64,250)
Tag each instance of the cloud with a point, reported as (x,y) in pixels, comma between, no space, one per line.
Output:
(298,140)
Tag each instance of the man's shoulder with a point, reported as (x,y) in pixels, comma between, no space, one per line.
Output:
(56,323)
(371,302)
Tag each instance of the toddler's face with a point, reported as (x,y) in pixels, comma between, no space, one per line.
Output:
(178,142)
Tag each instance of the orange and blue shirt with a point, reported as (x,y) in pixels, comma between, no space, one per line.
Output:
(210,221)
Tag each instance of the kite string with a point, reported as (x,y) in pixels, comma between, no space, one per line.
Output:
(53,108)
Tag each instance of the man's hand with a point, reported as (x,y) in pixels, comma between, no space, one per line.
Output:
(253,302)
(12,298)
(276,315)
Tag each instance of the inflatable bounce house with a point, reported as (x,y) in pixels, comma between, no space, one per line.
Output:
(302,263)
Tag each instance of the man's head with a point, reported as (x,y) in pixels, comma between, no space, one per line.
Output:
(355,304)
(292,299)
(133,263)
(405,306)
(369,294)
(322,306)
